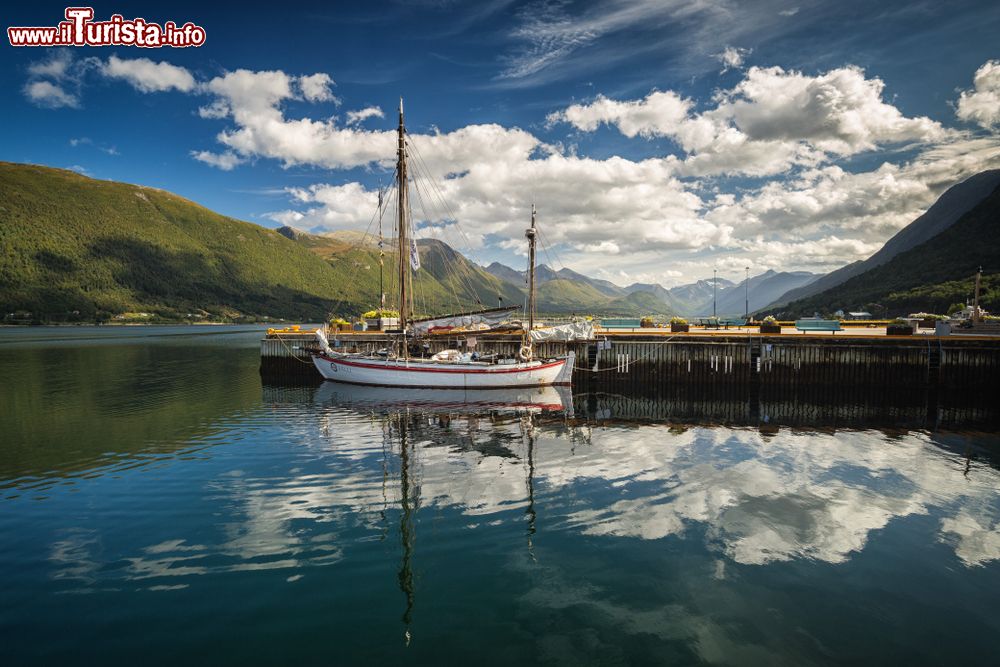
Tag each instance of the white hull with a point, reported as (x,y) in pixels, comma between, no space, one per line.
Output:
(441,375)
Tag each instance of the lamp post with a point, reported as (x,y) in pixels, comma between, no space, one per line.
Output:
(746,315)
(715,282)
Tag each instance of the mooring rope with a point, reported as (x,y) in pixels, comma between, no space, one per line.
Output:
(290,350)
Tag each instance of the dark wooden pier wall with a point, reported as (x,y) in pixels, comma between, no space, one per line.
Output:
(630,363)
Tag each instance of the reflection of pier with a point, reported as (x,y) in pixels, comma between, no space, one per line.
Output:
(838,407)
(811,406)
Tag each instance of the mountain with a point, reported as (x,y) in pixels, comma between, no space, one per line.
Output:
(81,249)
(949,207)
(638,303)
(446,281)
(662,295)
(567,296)
(605,287)
(764,289)
(690,299)
(544,273)
(929,276)
(506,274)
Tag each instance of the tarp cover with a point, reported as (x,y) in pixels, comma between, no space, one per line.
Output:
(572,331)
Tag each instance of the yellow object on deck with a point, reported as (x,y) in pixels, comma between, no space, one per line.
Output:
(294,329)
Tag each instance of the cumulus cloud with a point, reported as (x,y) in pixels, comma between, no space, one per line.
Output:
(335,207)
(658,114)
(841,111)
(147,76)
(226,161)
(50,95)
(982,104)
(359,116)
(670,214)
(57,66)
(770,121)
(316,88)
(55,82)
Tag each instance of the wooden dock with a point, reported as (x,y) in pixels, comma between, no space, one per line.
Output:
(631,361)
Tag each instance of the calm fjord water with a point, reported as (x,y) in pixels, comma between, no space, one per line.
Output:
(158,505)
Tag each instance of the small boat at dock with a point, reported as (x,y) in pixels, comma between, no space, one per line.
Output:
(450,369)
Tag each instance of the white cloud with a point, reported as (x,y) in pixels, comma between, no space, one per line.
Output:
(982,104)
(217,109)
(733,57)
(225,161)
(840,111)
(769,122)
(658,114)
(58,66)
(361,115)
(50,95)
(147,76)
(316,87)
(791,11)
(669,214)
(339,207)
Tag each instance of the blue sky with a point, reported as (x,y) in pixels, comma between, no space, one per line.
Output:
(658,139)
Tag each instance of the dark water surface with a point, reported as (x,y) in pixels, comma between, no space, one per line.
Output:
(159,506)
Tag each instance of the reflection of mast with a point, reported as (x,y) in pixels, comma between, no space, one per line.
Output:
(528,427)
(406,524)
(386,447)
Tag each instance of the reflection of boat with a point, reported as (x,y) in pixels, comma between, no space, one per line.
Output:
(447,369)
(525,399)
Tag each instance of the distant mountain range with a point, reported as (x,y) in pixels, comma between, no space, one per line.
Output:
(579,293)
(80,249)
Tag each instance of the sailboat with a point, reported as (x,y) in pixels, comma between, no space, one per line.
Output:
(448,369)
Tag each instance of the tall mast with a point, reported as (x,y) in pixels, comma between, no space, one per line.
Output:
(530,235)
(404,246)
(381,256)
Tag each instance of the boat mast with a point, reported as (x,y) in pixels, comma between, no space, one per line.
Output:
(381,257)
(530,235)
(404,246)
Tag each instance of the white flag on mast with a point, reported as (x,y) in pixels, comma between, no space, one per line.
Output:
(414,255)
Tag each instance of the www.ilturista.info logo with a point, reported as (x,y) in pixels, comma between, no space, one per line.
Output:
(79,29)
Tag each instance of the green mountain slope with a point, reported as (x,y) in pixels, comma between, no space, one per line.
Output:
(446,281)
(81,249)
(930,276)
(77,248)
(639,303)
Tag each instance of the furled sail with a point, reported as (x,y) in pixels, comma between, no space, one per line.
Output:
(490,318)
(571,331)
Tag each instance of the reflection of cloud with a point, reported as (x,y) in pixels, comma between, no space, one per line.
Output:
(977,543)
(262,539)
(800,495)
(74,558)
(756,500)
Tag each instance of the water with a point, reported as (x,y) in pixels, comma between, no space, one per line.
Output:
(158,505)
